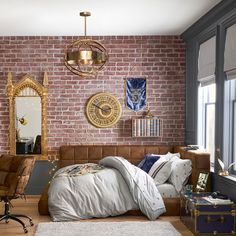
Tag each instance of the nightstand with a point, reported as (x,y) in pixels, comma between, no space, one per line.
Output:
(24,145)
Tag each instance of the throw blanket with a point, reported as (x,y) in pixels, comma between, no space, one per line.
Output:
(77,170)
(109,191)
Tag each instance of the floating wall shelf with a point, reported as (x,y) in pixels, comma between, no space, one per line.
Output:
(146,127)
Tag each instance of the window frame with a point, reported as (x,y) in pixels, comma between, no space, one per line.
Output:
(202,117)
(228,141)
(207,105)
(229,119)
(233,156)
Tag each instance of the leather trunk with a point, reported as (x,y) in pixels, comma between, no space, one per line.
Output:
(204,218)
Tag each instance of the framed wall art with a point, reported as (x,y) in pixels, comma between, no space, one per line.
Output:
(202,181)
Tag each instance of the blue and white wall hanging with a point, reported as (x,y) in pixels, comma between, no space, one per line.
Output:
(136,93)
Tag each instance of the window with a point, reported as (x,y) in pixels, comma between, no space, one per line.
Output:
(233,158)
(229,143)
(230,123)
(206,119)
(207,97)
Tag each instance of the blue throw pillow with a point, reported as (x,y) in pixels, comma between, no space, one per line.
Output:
(148,161)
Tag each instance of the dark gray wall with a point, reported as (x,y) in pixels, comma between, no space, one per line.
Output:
(213,23)
(224,185)
(39,178)
(209,25)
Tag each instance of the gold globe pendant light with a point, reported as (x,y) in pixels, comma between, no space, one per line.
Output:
(85,57)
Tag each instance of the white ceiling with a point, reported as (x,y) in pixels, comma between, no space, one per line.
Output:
(109,17)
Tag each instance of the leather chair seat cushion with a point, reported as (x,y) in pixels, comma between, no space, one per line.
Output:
(3,190)
(16,163)
(3,175)
(11,178)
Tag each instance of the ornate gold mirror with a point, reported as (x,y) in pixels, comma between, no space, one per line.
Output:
(27,116)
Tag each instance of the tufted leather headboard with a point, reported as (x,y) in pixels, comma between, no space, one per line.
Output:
(77,154)
(70,155)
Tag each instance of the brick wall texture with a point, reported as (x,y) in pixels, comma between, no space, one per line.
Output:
(161,59)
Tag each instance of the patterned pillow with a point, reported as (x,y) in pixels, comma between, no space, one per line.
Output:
(169,156)
(148,161)
(180,171)
(161,171)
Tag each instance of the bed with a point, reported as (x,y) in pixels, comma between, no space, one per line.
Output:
(79,154)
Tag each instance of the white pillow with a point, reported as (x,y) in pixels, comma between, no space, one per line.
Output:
(180,171)
(170,156)
(160,171)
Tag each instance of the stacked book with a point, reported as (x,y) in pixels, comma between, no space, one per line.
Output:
(146,127)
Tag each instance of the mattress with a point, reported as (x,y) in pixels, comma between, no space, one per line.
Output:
(167,190)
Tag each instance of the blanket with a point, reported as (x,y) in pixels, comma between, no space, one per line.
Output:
(80,169)
(110,190)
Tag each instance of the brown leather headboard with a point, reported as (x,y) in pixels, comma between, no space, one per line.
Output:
(77,154)
(70,155)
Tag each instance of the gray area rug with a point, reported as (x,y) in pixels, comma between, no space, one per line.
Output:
(127,228)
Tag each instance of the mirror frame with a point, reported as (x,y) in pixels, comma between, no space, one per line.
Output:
(13,90)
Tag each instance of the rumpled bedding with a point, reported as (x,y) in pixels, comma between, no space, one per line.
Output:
(111,188)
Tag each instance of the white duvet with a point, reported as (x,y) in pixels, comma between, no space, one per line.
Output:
(113,190)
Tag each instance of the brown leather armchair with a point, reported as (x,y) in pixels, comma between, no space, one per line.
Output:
(15,172)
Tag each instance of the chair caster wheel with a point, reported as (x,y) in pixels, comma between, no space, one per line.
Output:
(31,223)
(7,221)
(25,230)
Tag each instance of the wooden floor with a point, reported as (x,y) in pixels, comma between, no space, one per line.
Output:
(29,207)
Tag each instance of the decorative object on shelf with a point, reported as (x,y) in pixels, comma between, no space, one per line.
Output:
(148,114)
(103,110)
(146,127)
(85,57)
(191,147)
(224,171)
(136,93)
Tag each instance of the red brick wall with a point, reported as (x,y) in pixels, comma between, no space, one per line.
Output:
(161,59)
